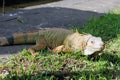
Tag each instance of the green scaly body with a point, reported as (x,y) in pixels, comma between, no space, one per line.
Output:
(52,37)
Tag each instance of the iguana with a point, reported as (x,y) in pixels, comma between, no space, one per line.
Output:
(57,40)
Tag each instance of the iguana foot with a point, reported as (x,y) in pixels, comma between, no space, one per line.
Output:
(33,53)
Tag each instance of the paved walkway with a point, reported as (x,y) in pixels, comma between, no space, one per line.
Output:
(100,6)
(57,14)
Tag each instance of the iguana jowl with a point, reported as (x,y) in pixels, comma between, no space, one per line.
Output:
(57,39)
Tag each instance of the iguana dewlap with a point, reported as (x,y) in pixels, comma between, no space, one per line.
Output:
(57,39)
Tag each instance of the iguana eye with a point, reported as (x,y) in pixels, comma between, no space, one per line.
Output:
(92,42)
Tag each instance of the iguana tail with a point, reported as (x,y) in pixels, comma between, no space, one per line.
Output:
(19,38)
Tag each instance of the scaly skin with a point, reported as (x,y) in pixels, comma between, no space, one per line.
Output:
(42,38)
(56,39)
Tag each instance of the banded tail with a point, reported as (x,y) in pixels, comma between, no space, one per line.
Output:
(19,38)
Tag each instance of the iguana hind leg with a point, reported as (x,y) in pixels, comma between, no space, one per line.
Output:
(40,44)
(34,50)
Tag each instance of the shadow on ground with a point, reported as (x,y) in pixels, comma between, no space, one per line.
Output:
(56,75)
(22,2)
(24,20)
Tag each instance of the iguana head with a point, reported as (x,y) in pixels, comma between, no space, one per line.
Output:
(93,44)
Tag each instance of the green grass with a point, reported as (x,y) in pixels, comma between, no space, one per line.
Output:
(49,66)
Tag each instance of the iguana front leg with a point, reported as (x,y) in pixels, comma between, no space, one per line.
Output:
(62,48)
(40,44)
(58,49)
